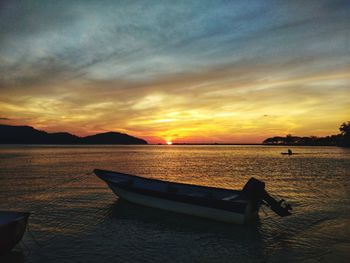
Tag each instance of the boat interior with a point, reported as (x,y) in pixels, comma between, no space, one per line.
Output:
(171,187)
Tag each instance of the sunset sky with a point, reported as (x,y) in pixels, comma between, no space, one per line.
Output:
(181,71)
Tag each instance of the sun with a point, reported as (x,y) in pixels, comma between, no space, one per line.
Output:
(169,143)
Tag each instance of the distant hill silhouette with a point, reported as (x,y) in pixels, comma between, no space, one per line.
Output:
(112,138)
(28,135)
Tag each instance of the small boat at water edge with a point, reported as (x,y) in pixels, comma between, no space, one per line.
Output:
(12,228)
(226,205)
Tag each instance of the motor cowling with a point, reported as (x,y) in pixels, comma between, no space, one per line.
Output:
(254,190)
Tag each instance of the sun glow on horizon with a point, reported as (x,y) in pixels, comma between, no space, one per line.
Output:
(169,142)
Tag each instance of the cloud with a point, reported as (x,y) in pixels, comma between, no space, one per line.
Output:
(140,41)
(181,68)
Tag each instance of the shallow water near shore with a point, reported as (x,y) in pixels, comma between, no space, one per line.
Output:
(76,217)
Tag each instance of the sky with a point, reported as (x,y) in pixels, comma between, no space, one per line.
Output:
(181,71)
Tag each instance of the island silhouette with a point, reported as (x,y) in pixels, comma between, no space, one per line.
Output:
(28,135)
(10,134)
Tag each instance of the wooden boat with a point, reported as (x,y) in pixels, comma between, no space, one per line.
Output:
(227,205)
(12,228)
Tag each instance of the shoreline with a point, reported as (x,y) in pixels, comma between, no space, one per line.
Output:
(174,144)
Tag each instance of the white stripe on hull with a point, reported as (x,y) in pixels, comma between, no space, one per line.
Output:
(184,208)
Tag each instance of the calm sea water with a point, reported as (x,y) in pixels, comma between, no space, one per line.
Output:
(76,218)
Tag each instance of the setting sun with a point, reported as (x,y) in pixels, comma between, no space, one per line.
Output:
(169,143)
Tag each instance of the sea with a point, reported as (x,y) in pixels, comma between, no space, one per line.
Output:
(75,217)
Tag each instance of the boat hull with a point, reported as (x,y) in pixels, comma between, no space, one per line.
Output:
(12,228)
(237,212)
(179,207)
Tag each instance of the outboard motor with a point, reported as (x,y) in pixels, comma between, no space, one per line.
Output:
(255,190)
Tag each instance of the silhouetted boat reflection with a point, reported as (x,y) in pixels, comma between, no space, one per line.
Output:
(124,210)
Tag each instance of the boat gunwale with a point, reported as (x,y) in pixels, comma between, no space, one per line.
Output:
(96,171)
(17,216)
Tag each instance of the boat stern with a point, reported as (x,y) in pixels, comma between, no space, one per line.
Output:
(255,192)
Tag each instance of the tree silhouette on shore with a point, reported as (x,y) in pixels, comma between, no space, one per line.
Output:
(345,132)
(342,139)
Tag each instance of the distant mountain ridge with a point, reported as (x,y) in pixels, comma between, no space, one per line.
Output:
(28,135)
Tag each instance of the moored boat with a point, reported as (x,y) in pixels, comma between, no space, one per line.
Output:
(12,228)
(227,205)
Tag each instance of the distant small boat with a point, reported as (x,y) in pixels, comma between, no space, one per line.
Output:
(289,152)
(227,205)
(12,228)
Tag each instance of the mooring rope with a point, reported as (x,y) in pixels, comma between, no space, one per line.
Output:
(26,248)
(32,236)
(40,209)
